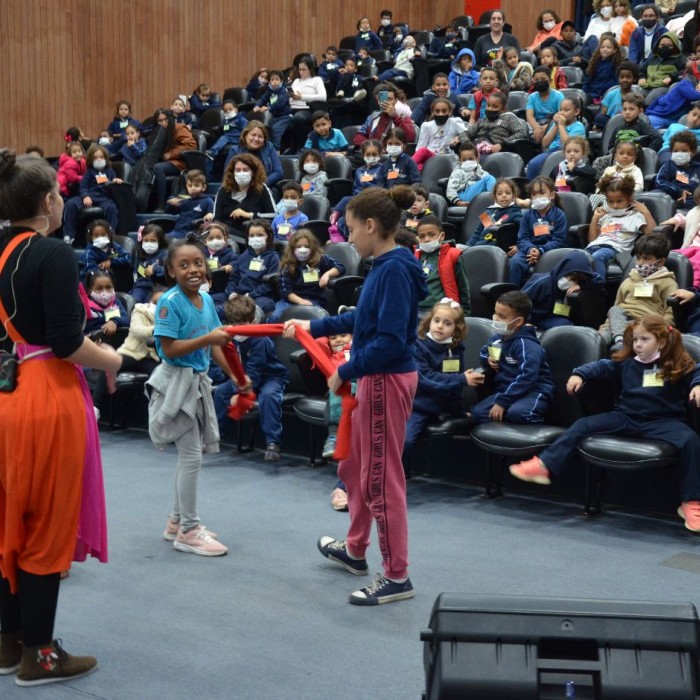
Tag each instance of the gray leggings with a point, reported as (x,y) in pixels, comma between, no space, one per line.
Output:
(189,462)
(619,319)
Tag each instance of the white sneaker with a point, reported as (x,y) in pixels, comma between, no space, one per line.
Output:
(199,541)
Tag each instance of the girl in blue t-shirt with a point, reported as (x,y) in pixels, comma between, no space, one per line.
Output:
(181,409)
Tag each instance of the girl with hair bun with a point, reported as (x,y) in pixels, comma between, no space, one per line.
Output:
(382,360)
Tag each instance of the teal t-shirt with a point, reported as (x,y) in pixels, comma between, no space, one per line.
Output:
(178,318)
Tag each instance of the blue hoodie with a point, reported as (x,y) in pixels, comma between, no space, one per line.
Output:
(676,102)
(384,323)
(522,367)
(245,280)
(438,391)
(667,180)
(461,82)
(544,293)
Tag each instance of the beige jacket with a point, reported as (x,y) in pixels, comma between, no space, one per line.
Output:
(140,331)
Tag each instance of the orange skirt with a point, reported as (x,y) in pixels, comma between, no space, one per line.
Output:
(42,455)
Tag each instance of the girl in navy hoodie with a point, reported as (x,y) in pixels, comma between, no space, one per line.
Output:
(503,211)
(150,251)
(253,264)
(441,373)
(105,312)
(382,360)
(102,252)
(602,70)
(658,378)
(399,168)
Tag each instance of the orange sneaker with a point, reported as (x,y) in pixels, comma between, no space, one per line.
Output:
(690,512)
(531,470)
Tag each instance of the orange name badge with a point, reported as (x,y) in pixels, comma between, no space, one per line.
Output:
(100,178)
(486,219)
(306,186)
(682,178)
(561,182)
(541,229)
(609,228)
(367,177)
(392,175)
(412,223)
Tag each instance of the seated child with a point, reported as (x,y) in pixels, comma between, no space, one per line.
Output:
(665,64)
(253,264)
(134,146)
(463,78)
(549,291)
(329,70)
(350,83)
(468,178)
(615,227)
(267,375)
(149,269)
(276,101)
(233,125)
(635,126)
(102,252)
(644,292)
(542,104)
(671,106)
(627,76)
(202,99)
(569,48)
(304,273)
(324,137)
(692,124)
(600,75)
(575,165)
(419,209)
(220,255)
(284,225)
(442,265)
(681,175)
(440,88)
(105,312)
(179,109)
(542,228)
(655,374)
(516,362)
(441,373)
(191,207)
(438,134)
(518,74)
(399,168)
(71,168)
(504,210)
(314,179)
(624,164)
(550,59)
(122,119)
(488,84)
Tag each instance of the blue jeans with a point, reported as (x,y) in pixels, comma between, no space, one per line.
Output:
(392,73)
(535,165)
(519,268)
(602,255)
(278,126)
(280,307)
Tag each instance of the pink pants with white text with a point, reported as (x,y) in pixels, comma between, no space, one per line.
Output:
(373,473)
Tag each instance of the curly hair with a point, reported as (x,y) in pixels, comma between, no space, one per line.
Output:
(92,154)
(540,25)
(460,324)
(615,183)
(257,168)
(289,263)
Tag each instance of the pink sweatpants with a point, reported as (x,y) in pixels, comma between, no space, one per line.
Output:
(373,474)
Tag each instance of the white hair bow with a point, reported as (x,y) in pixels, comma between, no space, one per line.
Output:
(451,302)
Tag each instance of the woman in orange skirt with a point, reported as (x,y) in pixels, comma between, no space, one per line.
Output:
(51,491)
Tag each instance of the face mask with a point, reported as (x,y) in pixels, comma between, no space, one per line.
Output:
(216,244)
(104,141)
(563,283)
(430,246)
(302,253)
(504,206)
(541,85)
(652,358)
(665,51)
(290,204)
(230,115)
(539,203)
(149,248)
(492,114)
(257,242)
(104,299)
(386,22)
(242,178)
(311,168)
(616,212)
(548,26)
(394,151)
(442,119)
(680,158)
(469,166)
(648,23)
(446,341)
(606,12)
(240,338)
(99,164)
(647,269)
(371,160)
(101,242)
(501,327)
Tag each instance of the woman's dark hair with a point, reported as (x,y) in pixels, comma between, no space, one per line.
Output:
(24,182)
(269,233)
(253,124)
(94,275)
(493,12)
(383,206)
(306,60)
(160,235)
(540,24)
(190,239)
(257,168)
(170,129)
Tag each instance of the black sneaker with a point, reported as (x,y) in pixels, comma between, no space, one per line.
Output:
(272,452)
(337,552)
(383,590)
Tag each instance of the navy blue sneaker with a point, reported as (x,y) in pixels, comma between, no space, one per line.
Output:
(337,552)
(383,590)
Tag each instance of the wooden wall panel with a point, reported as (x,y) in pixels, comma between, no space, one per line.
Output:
(66,62)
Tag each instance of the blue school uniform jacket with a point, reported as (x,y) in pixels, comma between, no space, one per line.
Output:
(260,361)
(226,256)
(673,179)
(118,125)
(131,154)
(367,177)
(92,184)
(248,272)
(422,109)
(328,70)
(295,284)
(384,323)
(487,235)
(197,107)
(604,78)
(555,219)
(438,391)
(158,276)
(97,316)
(522,367)
(232,128)
(115,253)
(402,171)
(191,209)
(277,101)
(367,40)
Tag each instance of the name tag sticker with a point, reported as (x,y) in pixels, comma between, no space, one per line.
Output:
(101,179)
(682,178)
(450,364)
(141,270)
(112,313)
(284,230)
(412,223)
(366,177)
(124,124)
(392,175)
(310,276)
(561,182)
(486,219)
(561,309)
(652,378)
(213,263)
(541,229)
(495,352)
(644,289)
(306,186)
(255,265)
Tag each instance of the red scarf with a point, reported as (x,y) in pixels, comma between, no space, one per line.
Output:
(321,360)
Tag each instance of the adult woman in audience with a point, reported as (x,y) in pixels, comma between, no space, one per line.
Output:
(490,46)
(600,22)
(306,92)
(548,27)
(691,30)
(244,194)
(255,140)
(51,490)
(179,138)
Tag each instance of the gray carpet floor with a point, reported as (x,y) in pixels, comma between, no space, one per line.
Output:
(271,619)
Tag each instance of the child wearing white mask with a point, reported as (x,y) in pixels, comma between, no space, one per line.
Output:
(149,254)
(290,219)
(314,179)
(468,178)
(305,271)
(102,252)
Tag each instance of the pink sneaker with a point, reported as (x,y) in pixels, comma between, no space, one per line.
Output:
(199,541)
(335,235)
(690,512)
(172,528)
(531,470)
(339,499)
